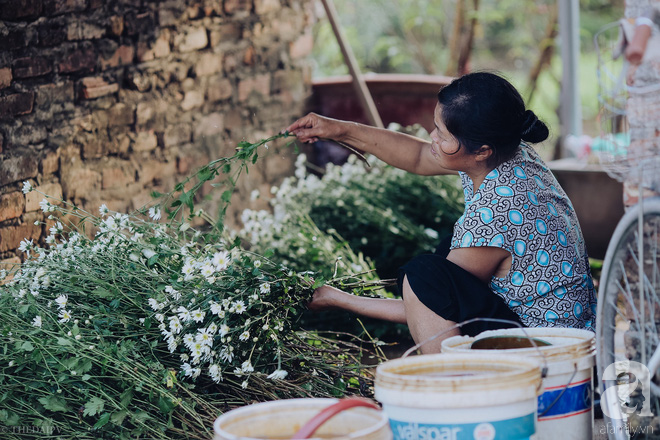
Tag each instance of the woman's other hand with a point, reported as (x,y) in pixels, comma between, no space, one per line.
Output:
(313,127)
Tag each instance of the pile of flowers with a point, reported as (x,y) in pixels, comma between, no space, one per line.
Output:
(123,326)
(381,212)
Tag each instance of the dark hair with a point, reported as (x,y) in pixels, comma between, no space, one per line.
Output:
(482,108)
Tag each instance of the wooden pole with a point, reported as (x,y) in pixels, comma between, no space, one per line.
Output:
(358,80)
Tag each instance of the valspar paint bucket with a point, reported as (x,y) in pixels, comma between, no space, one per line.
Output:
(460,396)
(565,408)
(282,419)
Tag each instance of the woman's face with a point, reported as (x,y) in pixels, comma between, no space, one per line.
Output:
(444,146)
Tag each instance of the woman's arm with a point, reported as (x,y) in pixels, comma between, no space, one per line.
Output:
(400,150)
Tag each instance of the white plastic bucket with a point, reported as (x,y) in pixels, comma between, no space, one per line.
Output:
(460,396)
(281,419)
(565,408)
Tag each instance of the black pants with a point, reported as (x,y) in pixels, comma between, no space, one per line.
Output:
(454,293)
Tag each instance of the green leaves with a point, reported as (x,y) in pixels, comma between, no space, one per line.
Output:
(54,403)
(94,406)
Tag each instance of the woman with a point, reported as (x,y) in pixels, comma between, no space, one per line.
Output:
(517,252)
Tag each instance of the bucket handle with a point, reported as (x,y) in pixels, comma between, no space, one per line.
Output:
(544,369)
(554,402)
(309,428)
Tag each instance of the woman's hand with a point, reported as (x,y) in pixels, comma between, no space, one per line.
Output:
(313,127)
(324,298)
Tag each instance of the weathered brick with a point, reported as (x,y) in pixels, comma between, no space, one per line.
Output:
(121,114)
(14,39)
(78,182)
(29,134)
(15,9)
(17,169)
(145,141)
(81,30)
(115,178)
(52,33)
(50,163)
(209,125)
(95,86)
(219,88)
(5,77)
(177,135)
(153,170)
(79,60)
(193,39)
(16,104)
(225,33)
(259,84)
(54,93)
(32,199)
(137,24)
(302,46)
(158,49)
(266,6)
(249,56)
(236,6)
(192,99)
(208,64)
(122,56)
(30,67)
(12,205)
(116,26)
(11,236)
(57,7)
(230,62)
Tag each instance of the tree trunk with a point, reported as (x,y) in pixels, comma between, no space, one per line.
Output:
(466,47)
(455,40)
(548,49)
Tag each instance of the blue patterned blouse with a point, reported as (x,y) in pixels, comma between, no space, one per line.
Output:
(521,208)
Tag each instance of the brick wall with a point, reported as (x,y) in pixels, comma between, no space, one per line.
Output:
(103,101)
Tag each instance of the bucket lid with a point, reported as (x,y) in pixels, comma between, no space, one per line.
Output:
(429,380)
(283,418)
(566,343)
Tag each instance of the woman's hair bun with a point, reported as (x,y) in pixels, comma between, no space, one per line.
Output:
(532,129)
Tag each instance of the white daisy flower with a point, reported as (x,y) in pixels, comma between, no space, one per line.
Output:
(64,315)
(154,213)
(103,210)
(207,270)
(27,187)
(239,307)
(204,337)
(224,329)
(175,325)
(184,314)
(215,307)
(215,373)
(148,253)
(244,336)
(212,329)
(26,245)
(221,260)
(264,288)
(278,374)
(244,385)
(37,321)
(61,301)
(246,367)
(154,304)
(257,263)
(46,206)
(198,315)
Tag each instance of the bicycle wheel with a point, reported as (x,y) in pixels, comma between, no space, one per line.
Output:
(628,318)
